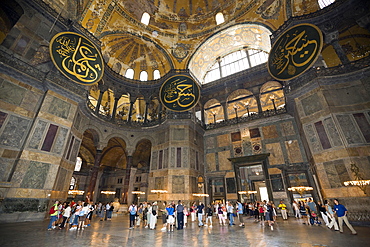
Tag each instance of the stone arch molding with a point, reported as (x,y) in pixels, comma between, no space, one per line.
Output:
(255,36)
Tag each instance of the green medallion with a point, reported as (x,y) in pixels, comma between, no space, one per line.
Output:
(179,93)
(77,58)
(295,51)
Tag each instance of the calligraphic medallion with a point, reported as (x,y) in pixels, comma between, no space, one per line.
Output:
(77,58)
(295,51)
(179,93)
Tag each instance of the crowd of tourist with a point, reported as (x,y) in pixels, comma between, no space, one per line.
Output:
(78,215)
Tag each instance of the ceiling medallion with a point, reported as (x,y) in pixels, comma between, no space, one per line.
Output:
(77,58)
(295,51)
(179,93)
(180,51)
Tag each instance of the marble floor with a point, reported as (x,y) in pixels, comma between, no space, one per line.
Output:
(116,233)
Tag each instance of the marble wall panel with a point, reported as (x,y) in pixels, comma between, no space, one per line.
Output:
(332,132)
(223,162)
(59,108)
(254,133)
(11,205)
(5,167)
(3,116)
(294,152)
(178,157)
(154,160)
(173,157)
(312,139)
(230,185)
(235,137)
(349,130)
(185,157)
(363,124)
(11,93)
(342,171)
(178,183)
(193,185)
(178,134)
(323,137)
(14,132)
(332,174)
(36,175)
(247,148)
(19,173)
(77,121)
(287,128)
(211,162)
(161,137)
(210,142)
(269,132)
(60,178)
(276,155)
(37,135)
(159,183)
(31,100)
(60,140)
(192,158)
(75,149)
(165,158)
(223,140)
(52,177)
(311,104)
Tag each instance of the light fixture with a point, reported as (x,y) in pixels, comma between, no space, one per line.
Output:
(359,182)
(107,192)
(201,195)
(300,189)
(138,192)
(76,192)
(247,192)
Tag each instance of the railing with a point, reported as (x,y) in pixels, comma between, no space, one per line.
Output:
(251,117)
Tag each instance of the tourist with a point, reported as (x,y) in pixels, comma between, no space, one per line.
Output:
(341,212)
(180,215)
(153,216)
(282,207)
(296,209)
(330,214)
(193,211)
(269,216)
(89,215)
(82,216)
(186,214)
(230,213)
(163,211)
(221,216)
(133,211)
(322,211)
(200,214)
(209,214)
(170,217)
(240,212)
(148,215)
(110,211)
(66,215)
(53,213)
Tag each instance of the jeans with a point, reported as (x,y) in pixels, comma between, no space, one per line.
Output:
(132,220)
(200,219)
(52,220)
(231,219)
(180,220)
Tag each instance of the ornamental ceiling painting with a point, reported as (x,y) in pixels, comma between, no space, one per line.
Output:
(176,30)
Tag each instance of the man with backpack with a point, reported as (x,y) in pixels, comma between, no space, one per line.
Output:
(180,215)
(53,213)
(133,211)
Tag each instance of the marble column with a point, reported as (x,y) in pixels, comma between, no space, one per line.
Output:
(115,107)
(99,102)
(332,38)
(127,180)
(130,111)
(146,112)
(94,174)
(259,103)
(224,106)
(132,175)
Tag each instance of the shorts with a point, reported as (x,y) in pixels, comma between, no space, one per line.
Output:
(82,218)
(164,218)
(171,219)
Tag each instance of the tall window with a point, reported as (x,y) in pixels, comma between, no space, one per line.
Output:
(325,3)
(145,18)
(78,164)
(220,18)
(156,74)
(143,76)
(129,74)
(235,62)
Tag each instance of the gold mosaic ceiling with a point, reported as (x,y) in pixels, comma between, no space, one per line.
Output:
(176,29)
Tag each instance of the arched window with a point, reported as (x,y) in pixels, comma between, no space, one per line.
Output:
(78,164)
(72,185)
(325,3)
(145,18)
(143,76)
(129,74)
(219,18)
(156,74)
(235,62)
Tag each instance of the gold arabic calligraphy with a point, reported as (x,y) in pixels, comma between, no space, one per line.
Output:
(80,59)
(180,94)
(287,51)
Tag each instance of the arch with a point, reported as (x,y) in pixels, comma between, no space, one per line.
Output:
(241,103)
(213,111)
(219,18)
(272,96)
(251,35)
(142,154)
(156,74)
(143,76)
(130,73)
(145,18)
(114,155)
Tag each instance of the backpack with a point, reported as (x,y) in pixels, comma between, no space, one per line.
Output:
(133,211)
(52,210)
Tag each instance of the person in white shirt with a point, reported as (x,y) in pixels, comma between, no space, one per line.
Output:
(66,215)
